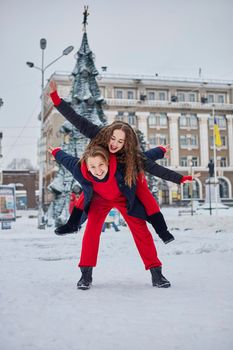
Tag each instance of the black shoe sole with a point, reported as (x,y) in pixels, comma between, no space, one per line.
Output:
(83,287)
(64,234)
(170,240)
(165,285)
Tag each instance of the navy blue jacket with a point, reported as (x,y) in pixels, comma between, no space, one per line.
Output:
(90,130)
(134,206)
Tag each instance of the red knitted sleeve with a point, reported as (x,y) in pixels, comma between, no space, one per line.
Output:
(54,152)
(55,98)
(163,149)
(186,178)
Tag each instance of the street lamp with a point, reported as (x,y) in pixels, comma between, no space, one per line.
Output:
(1,134)
(191,186)
(42,69)
(1,172)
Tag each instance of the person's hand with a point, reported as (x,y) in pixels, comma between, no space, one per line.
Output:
(52,86)
(195,176)
(168,149)
(189,178)
(50,149)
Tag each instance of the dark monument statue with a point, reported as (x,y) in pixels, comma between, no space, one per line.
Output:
(211,168)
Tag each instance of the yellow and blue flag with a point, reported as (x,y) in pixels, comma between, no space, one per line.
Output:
(217,137)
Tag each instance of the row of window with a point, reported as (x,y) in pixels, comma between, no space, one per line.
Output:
(132,95)
(182,96)
(194,162)
(185,120)
(130,119)
(194,190)
(193,97)
(186,141)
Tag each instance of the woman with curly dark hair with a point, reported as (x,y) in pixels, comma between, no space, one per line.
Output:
(120,139)
(104,189)
(129,154)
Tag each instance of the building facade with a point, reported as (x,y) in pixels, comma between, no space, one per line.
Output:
(174,111)
(26,186)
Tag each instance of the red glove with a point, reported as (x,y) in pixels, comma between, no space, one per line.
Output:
(186,178)
(55,98)
(54,152)
(163,149)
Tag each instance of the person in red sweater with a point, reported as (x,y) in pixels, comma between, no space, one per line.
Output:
(120,139)
(99,175)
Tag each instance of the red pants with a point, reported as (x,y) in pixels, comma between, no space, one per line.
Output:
(73,199)
(96,216)
(145,196)
(79,203)
(142,192)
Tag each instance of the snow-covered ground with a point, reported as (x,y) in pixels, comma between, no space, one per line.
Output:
(41,309)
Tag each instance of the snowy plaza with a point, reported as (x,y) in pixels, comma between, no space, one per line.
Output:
(41,309)
(103,93)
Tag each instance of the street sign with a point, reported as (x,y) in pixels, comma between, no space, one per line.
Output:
(7,203)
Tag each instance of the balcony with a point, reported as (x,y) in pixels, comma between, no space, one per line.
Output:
(169,105)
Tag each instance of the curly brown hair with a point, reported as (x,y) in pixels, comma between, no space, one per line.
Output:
(130,155)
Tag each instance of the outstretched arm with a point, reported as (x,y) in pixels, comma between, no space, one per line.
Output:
(157,152)
(85,126)
(189,178)
(165,173)
(68,161)
(162,172)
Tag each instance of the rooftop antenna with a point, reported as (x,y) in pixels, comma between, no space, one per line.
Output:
(85,15)
(199,72)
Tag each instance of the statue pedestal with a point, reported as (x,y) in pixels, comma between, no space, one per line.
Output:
(210,188)
(212,198)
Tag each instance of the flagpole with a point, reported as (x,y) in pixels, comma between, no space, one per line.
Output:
(215,162)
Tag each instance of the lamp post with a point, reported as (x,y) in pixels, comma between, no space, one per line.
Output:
(1,172)
(42,69)
(215,161)
(191,186)
(1,135)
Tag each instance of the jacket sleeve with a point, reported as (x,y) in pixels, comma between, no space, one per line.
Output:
(68,161)
(162,172)
(155,153)
(85,126)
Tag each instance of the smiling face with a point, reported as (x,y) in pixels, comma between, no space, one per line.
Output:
(117,141)
(97,166)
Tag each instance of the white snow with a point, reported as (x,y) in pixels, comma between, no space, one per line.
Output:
(41,309)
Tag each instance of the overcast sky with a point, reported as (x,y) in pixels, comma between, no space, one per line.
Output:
(168,37)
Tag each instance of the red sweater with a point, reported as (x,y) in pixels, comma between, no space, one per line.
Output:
(108,189)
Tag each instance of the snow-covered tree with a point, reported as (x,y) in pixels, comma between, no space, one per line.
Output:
(87,101)
(151,179)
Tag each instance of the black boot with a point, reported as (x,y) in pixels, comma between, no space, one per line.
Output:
(72,224)
(86,278)
(158,280)
(159,224)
